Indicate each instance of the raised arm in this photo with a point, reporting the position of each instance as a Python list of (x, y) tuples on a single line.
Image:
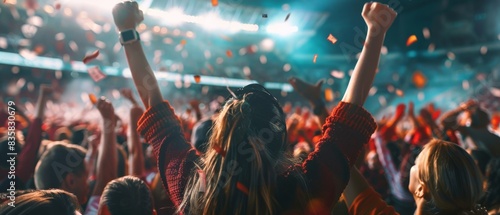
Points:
[(136, 156), (378, 18), (127, 16), (349, 126), (107, 161), (312, 93), (27, 156)]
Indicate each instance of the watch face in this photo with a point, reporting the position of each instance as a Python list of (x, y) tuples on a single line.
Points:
[(128, 36)]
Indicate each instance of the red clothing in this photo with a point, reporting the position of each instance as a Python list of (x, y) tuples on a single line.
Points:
[(369, 202), (26, 160), (326, 170)]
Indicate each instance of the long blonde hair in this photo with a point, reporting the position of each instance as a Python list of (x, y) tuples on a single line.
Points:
[(246, 154), (451, 177)]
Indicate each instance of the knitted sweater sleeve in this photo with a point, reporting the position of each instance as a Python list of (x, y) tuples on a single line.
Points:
[(345, 132), (175, 158)]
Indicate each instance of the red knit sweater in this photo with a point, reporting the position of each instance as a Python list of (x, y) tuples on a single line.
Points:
[(326, 170)]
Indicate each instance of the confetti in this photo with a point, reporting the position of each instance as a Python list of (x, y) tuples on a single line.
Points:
[(426, 33), (337, 74), (229, 53), (412, 39), (215, 3), (242, 188), (264, 15), (495, 92), (373, 91), (91, 57), (197, 79), (382, 100), (287, 67), (96, 74), (465, 84), (315, 58), (92, 98), (400, 93), (329, 95), (332, 39), (287, 17), (183, 42), (419, 79), (484, 50)]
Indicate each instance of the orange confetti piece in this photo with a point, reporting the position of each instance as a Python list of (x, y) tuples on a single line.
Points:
[(229, 53), (332, 39), (197, 79), (215, 3), (315, 58), (92, 98), (412, 39), (183, 42), (418, 79), (400, 93), (90, 57), (242, 188), (329, 96)]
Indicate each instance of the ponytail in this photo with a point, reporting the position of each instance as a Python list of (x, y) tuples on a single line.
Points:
[(238, 173)]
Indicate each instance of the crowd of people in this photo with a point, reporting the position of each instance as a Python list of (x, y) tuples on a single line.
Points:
[(252, 155)]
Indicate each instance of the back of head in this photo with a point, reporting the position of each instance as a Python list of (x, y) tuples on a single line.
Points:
[(491, 199), (56, 162), (43, 202), (127, 195), (479, 119), (200, 135), (244, 156), (451, 177)]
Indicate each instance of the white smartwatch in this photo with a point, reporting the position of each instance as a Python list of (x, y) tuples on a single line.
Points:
[(129, 36)]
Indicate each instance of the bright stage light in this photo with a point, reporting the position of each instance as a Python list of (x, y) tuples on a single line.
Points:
[(282, 29)]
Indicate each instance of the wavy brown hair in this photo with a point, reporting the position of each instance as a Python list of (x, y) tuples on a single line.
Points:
[(245, 156)]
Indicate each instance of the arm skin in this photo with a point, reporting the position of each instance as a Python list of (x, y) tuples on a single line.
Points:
[(107, 160), (143, 76), (357, 184), (364, 72), (136, 156)]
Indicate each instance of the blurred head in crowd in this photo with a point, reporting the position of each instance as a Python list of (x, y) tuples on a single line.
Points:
[(247, 143), (127, 195), (43, 202), (62, 166), (479, 119), (491, 198), (445, 179), (63, 134)]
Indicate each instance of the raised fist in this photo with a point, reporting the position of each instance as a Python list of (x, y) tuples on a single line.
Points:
[(106, 109), (311, 92), (378, 17), (127, 15)]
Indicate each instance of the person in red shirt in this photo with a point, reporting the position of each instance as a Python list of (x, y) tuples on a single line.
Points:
[(245, 169)]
